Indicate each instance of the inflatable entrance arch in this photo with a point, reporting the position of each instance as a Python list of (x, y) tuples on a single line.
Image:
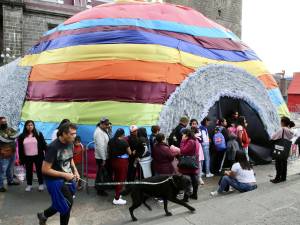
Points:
[(202, 89)]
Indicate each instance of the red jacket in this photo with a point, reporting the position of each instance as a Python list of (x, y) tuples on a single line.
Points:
[(189, 147), (162, 159)]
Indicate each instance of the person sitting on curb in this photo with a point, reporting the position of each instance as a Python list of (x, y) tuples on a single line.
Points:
[(241, 176)]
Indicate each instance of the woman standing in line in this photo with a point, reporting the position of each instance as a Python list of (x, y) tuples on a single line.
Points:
[(242, 134), (281, 164), (32, 146), (189, 146), (119, 152), (194, 127)]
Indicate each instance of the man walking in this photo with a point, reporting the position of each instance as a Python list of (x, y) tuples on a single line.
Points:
[(7, 153), (60, 174)]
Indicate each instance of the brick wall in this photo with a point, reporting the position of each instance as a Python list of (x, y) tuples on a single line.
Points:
[(35, 25), (24, 21), (12, 28)]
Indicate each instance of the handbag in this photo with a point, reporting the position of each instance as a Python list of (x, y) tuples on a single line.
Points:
[(281, 148), (7, 150), (189, 161)]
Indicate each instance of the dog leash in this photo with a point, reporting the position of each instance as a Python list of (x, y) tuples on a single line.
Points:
[(125, 183)]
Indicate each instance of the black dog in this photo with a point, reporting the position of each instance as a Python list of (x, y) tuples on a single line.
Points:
[(167, 191)]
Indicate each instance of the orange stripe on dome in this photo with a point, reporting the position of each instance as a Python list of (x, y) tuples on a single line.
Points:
[(171, 73), (268, 81)]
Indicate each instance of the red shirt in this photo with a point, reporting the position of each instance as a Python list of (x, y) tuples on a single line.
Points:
[(77, 154)]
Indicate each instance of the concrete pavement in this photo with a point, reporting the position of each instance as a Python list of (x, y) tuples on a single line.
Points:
[(270, 204)]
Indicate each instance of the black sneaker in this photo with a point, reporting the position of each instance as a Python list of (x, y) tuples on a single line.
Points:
[(42, 219), (2, 189), (275, 181), (194, 196)]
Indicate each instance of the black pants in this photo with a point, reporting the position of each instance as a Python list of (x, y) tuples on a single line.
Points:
[(100, 167), (131, 174), (194, 179), (64, 219), (281, 169), (217, 161), (38, 161)]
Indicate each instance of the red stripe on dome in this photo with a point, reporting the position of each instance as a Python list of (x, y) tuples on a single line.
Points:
[(154, 11), (99, 90)]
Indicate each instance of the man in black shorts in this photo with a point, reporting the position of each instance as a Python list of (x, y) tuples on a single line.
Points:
[(60, 175)]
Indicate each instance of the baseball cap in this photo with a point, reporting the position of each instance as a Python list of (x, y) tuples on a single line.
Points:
[(133, 128), (104, 120)]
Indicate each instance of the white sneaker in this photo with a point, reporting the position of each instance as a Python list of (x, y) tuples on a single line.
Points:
[(214, 193), (231, 189), (209, 175), (201, 181), (41, 187), (28, 188), (119, 202)]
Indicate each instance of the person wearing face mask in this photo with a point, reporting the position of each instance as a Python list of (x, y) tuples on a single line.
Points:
[(7, 153)]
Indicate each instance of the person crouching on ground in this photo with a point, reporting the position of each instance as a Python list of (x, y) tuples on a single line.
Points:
[(119, 152), (241, 176), (60, 174)]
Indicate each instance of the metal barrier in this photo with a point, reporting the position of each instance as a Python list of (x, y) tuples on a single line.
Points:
[(86, 162)]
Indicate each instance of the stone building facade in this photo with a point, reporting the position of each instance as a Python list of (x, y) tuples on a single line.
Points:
[(23, 22), (225, 12)]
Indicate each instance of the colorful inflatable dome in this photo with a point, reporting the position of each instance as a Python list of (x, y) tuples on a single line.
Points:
[(142, 63)]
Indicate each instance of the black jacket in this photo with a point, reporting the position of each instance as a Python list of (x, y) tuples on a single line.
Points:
[(42, 146), (176, 136)]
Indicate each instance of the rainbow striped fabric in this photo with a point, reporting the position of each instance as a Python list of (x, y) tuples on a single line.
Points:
[(123, 60)]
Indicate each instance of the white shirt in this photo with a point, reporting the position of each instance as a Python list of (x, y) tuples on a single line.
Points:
[(205, 136), (243, 176), (101, 143), (54, 135)]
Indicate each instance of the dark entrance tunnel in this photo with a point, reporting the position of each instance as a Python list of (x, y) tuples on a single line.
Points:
[(260, 148)]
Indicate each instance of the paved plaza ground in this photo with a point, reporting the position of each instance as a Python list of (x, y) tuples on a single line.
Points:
[(270, 205)]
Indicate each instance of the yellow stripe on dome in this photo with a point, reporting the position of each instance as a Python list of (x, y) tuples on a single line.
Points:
[(283, 110), (152, 53), (120, 113)]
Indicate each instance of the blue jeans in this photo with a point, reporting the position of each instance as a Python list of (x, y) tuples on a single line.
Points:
[(205, 148), (10, 169), (227, 181), (3, 167)]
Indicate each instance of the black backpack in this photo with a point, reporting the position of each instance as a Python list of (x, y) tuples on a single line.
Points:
[(172, 140)]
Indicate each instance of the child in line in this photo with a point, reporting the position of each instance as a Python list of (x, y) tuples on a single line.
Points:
[(77, 157)]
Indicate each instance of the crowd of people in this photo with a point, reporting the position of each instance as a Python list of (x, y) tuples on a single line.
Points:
[(192, 149)]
